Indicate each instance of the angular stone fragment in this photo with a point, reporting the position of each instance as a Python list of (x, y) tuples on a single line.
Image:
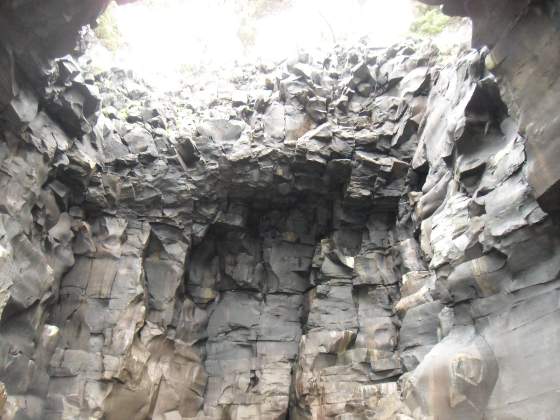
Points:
[(375, 268), (221, 130)]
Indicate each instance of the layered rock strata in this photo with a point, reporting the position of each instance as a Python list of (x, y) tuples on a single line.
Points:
[(523, 39)]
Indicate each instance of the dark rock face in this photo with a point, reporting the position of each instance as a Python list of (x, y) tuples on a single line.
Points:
[(523, 38), (346, 238)]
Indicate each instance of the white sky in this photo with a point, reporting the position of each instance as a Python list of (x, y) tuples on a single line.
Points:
[(163, 37)]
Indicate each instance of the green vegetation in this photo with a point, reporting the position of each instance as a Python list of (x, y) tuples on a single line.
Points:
[(261, 8), (253, 10), (429, 21), (107, 30), (247, 32)]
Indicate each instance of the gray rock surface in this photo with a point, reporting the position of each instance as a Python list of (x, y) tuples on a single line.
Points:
[(342, 237), (514, 31)]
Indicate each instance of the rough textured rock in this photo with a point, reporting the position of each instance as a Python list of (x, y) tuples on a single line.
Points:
[(342, 237), (523, 38)]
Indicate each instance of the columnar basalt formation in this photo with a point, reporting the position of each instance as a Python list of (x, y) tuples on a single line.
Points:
[(342, 237)]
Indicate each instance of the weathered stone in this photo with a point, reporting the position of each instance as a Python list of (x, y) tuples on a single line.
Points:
[(284, 248)]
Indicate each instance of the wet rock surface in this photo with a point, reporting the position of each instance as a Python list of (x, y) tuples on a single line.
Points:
[(342, 237)]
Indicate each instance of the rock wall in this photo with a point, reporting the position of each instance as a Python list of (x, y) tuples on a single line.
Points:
[(342, 237), (523, 39)]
